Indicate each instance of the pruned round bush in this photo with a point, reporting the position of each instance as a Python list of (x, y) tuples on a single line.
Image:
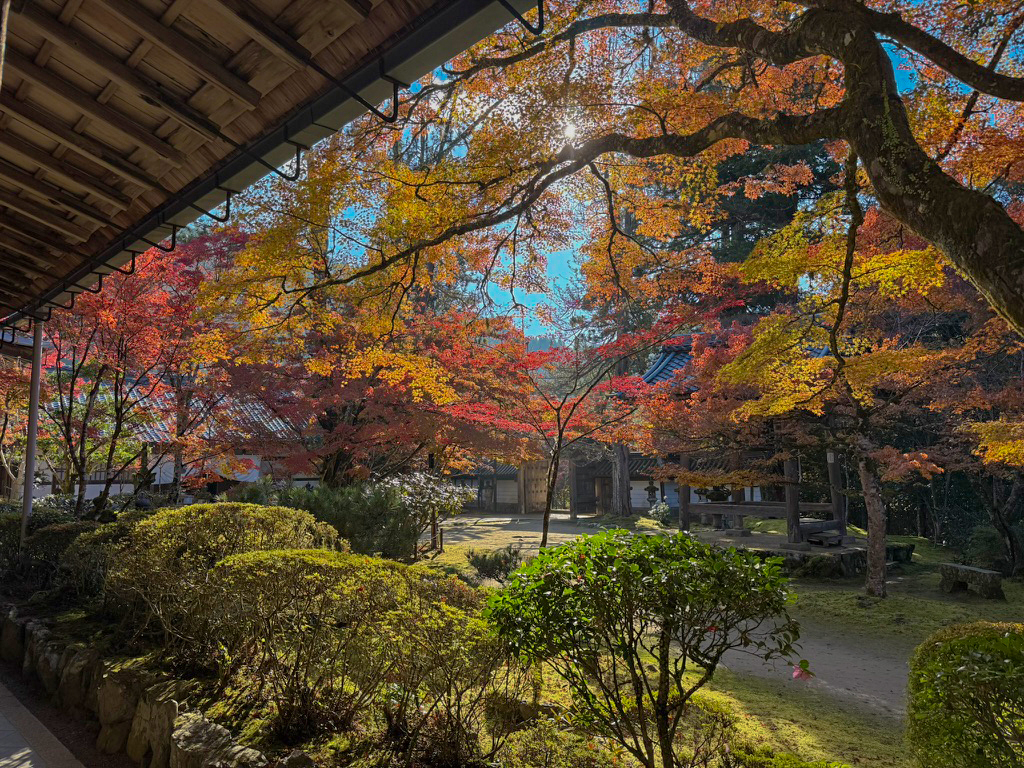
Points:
[(966, 707), (307, 622), (453, 681), (162, 568), (10, 528)]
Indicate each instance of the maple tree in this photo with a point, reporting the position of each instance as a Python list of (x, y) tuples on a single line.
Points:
[(14, 389), (572, 392), (645, 137), (348, 404), (121, 366), (616, 99)]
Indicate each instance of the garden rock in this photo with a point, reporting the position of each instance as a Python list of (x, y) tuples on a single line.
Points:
[(296, 759), (117, 697), (36, 636), (48, 665), (149, 740), (12, 638), (198, 743), (75, 691)]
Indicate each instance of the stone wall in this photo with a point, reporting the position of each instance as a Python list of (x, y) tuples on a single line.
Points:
[(138, 713)]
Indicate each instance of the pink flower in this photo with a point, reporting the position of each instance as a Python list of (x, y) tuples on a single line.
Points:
[(799, 673)]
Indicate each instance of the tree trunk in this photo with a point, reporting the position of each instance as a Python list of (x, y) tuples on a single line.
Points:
[(621, 504), (1000, 512), (18, 487), (876, 527), (684, 496), (179, 471), (549, 495)]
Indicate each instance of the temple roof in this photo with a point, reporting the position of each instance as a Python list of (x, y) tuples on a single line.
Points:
[(673, 357)]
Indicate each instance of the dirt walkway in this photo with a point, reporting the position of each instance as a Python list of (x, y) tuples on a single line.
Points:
[(861, 669)]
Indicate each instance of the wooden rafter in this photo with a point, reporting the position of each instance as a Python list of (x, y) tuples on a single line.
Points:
[(119, 115), (96, 151), (13, 244), (124, 75), (52, 194), (64, 170), (29, 230), (89, 105), (360, 8), (184, 50), (44, 215), (265, 31)]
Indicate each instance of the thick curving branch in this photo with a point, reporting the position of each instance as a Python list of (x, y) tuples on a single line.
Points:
[(576, 28), (969, 226), (781, 129)]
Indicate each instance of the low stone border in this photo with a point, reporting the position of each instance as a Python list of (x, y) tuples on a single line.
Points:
[(138, 714)]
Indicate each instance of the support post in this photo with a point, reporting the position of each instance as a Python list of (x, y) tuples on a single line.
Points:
[(33, 432), (835, 484), (792, 472), (574, 491), (5, 16), (684, 496)]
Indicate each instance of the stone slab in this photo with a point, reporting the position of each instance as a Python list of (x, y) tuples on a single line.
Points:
[(25, 742)]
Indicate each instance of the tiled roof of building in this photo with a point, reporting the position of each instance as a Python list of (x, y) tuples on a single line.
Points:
[(491, 469), (673, 357)]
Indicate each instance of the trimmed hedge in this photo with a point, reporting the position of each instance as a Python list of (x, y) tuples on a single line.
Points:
[(967, 697), (160, 571)]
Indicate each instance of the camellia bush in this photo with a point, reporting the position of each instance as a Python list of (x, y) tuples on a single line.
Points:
[(623, 619), (966, 690)]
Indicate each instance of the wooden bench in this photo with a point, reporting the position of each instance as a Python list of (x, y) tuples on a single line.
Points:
[(957, 578)]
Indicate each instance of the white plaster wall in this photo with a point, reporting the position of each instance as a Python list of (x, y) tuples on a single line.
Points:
[(508, 492)]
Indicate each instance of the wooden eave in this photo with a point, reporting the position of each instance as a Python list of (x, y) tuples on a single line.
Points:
[(120, 118)]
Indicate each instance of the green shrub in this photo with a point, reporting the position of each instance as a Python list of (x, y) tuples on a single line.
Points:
[(381, 517), (985, 548), (82, 572), (10, 528), (10, 537), (497, 564), (46, 547), (55, 507), (307, 624), (453, 681), (614, 614), (371, 518), (966, 697), (764, 757), (160, 571)]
